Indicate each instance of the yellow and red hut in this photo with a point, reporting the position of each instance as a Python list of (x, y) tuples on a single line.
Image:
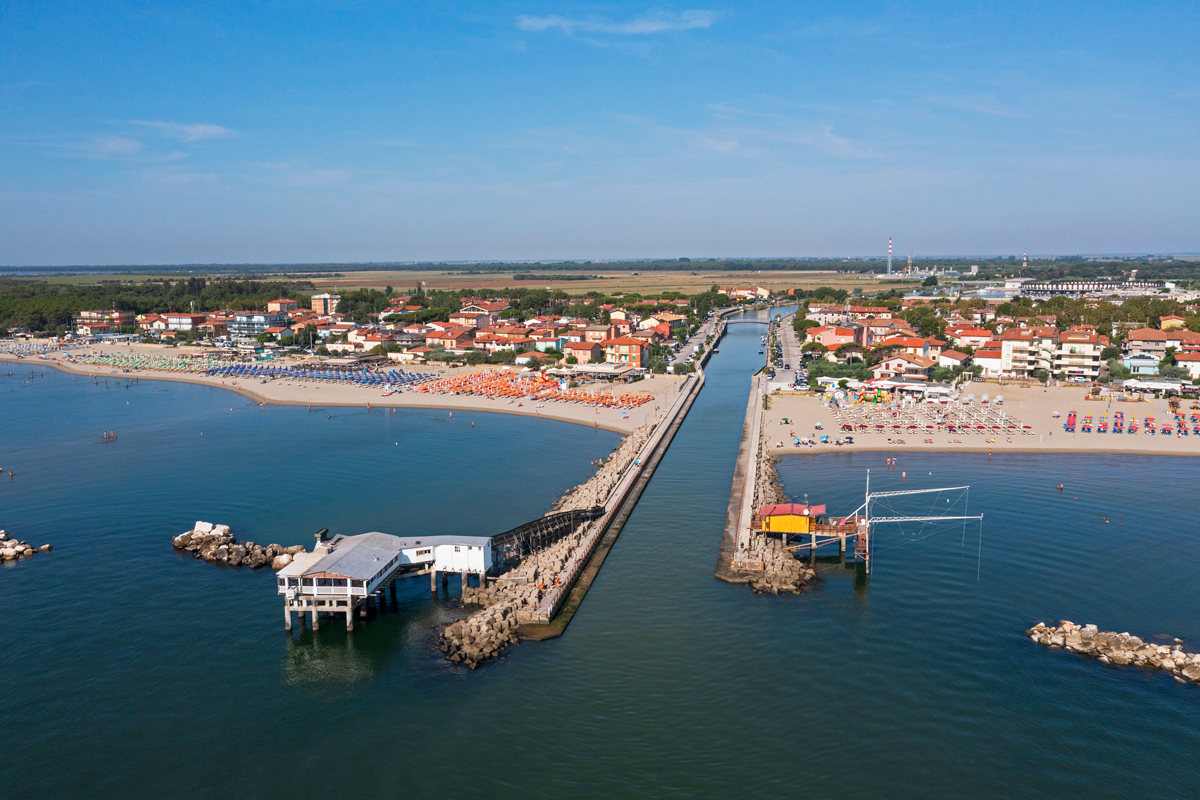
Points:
[(788, 517)]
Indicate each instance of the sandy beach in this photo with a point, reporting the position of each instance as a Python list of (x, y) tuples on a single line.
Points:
[(1033, 406), (323, 395)]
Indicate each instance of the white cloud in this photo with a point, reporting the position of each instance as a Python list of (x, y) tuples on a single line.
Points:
[(114, 146), (684, 21), (186, 131)]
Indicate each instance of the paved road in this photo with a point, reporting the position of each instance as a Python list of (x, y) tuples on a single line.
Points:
[(791, 350)]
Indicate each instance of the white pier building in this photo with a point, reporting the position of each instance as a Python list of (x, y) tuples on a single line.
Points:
[(342, 573)]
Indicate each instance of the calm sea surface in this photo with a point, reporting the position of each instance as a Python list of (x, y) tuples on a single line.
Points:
[(130, 671)]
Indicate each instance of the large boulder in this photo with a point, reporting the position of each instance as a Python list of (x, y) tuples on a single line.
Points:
[(204, 527), (280, 561)]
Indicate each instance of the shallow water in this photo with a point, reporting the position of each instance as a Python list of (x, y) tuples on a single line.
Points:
[(142, 672)]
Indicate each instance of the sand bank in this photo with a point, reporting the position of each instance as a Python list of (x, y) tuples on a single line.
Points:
[(1032, 406)]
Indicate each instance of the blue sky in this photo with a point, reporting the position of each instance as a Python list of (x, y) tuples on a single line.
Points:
[(355, 131)]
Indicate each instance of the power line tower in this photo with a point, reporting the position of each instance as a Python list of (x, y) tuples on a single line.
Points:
[(889, 255)]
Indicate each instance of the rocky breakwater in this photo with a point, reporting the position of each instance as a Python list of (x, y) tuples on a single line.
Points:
[(781, 571), (11, 549), (767, 487), (595, 490), (215, 543), (488, 632), (1119, 648)]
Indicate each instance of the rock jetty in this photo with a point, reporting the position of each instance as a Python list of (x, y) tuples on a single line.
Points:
[(781, 571), (11, 549), (215, 543), (488, 632), (596, 489), (1119, 648)]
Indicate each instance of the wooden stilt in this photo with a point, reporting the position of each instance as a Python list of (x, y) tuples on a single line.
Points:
[(349, 619), (433, 581), (287, 618)]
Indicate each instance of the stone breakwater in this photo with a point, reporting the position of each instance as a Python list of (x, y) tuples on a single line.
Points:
[(781, 571), (485, 634), (215, 543), (1119, 648), (11, 549), (595, 490)]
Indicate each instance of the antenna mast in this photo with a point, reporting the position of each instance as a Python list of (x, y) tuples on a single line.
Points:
[(889, 255)]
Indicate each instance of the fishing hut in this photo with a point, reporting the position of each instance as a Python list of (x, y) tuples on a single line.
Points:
[(815, 528)]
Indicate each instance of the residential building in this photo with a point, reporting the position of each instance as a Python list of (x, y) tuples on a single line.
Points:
[(455, 339), (1028, 349), (990, 359), (584, 352), (1078, 354), (493, 307), (1171, 322), (905, 365), (1190, 362), (472, 319), (953, 358), (113, 319), (832, 336), (599, 333), (626, 351), (1149, 341), (1141, 363), (325, 303), (283, 304), (249, 324), (913, 345), (185, 322), (974, 338)]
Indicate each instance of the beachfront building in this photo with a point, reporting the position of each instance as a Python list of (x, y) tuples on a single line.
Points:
[(1078, 354), (104, 321), (625, 351), (325, 303), (185, 322), (1148, 341), (1190, 362), (991, 360), (1025, 350), (250, 324), (584, 352), (1141, 363), (905, 365), (283, 304)]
